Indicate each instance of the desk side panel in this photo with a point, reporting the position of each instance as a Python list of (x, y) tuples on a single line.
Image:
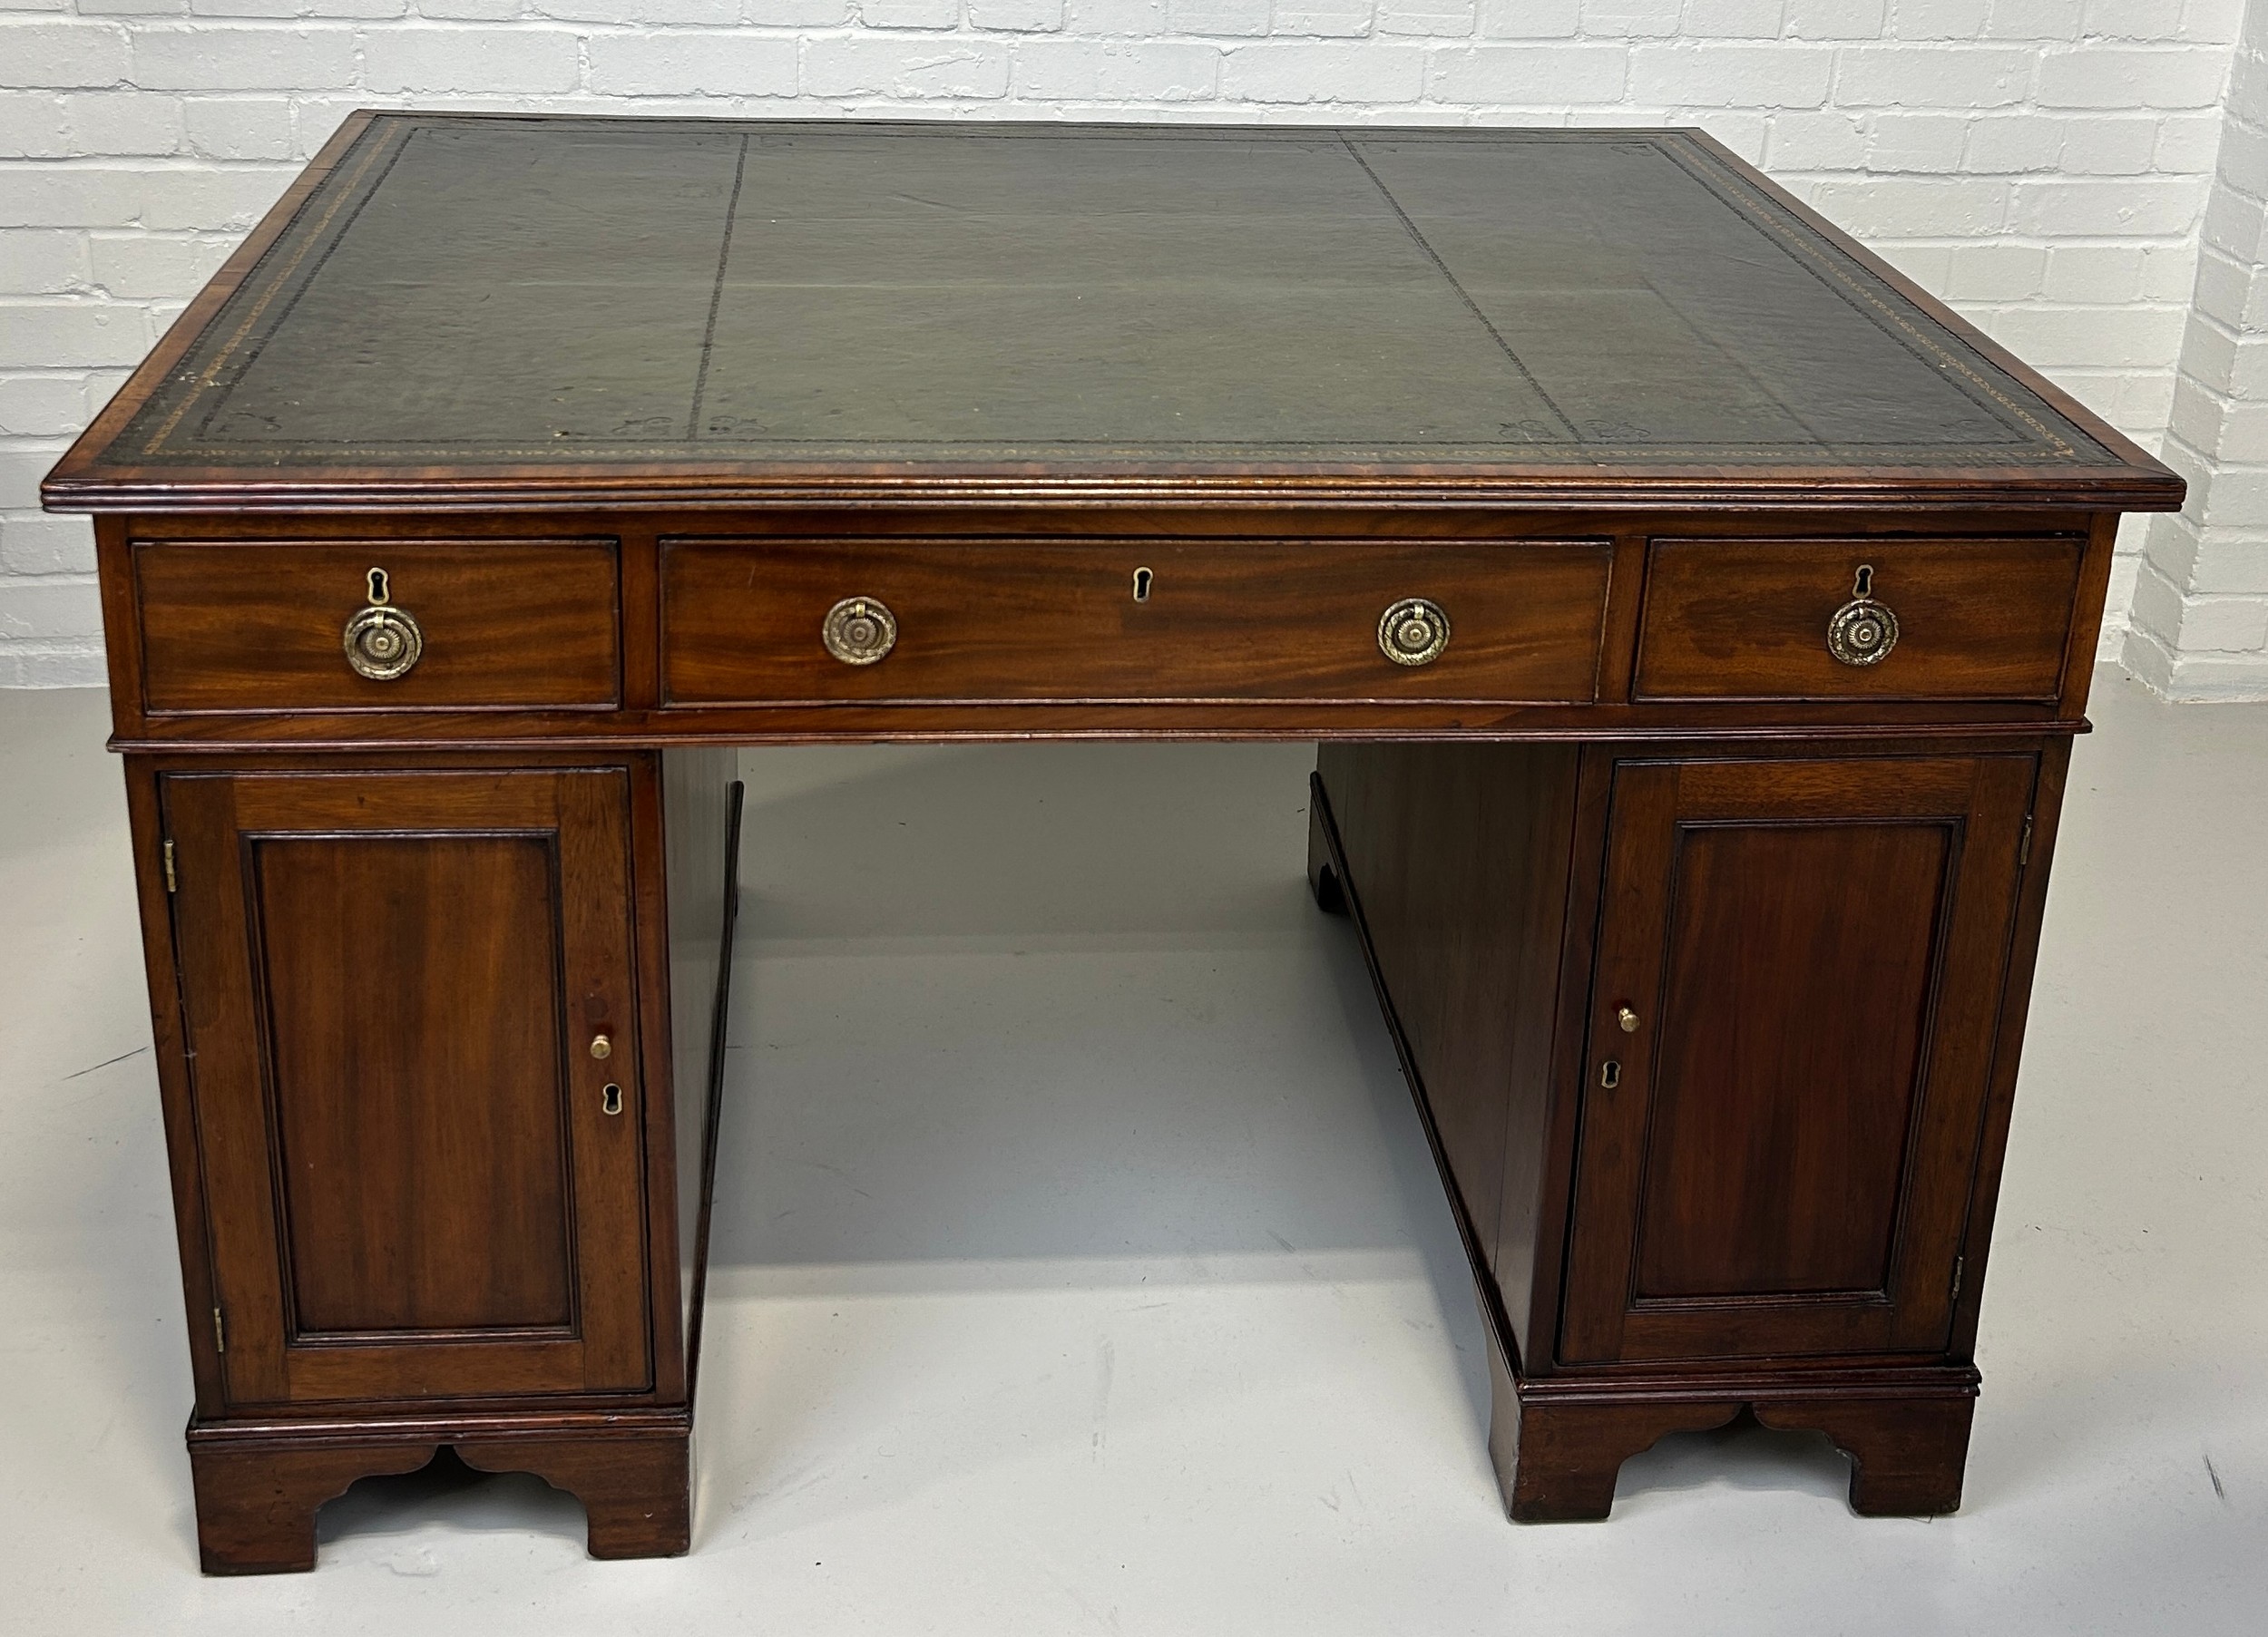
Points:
[(1458, 856), (697, 823)]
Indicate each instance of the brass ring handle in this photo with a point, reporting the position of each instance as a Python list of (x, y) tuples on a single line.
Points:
[(858, 630), (382, 641), (1863, 631), (1414, 631)]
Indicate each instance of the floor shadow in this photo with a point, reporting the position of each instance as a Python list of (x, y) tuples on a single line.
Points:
[(1425, 1196), (1740, 1455), (447, 1492)]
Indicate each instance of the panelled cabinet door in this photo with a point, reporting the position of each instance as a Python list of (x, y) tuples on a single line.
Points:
[(1798, 983), (393, 982)]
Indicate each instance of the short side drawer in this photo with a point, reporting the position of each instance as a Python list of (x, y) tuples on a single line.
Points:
[(243, 626), (1748, 618), (1061, 621)]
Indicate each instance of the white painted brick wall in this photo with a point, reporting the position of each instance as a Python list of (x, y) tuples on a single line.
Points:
[(2200, 614), (2043, 165)]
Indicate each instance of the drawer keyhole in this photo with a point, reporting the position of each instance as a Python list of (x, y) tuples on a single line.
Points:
[(1143, 577), (1864, 585)]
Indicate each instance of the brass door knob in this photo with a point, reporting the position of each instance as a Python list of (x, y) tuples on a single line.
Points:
[(1862, 632), (382, 641), (858, 630), (602, 1047), (1414, 631), (1627, 1018)]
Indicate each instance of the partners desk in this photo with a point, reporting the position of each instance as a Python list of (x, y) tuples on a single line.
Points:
[(1694, 617)]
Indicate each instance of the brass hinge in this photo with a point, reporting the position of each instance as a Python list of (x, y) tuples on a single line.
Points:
[(171, 884), (220, 1332), (2024, 847), (1960, 1265)]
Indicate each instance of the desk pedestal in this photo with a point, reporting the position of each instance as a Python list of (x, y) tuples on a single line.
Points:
[(423, 1017), (1713, 1043), (1715, 1046)]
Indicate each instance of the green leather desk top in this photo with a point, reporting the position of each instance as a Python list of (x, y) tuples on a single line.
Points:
[(564, 302)]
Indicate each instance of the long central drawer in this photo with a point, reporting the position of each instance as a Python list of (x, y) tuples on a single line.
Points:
[(780, 621)]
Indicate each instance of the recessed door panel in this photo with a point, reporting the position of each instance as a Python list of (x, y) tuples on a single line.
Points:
[(404, 1116), (1788, 1065)]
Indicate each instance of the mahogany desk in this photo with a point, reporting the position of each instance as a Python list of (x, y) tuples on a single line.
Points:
[(1695, 617)]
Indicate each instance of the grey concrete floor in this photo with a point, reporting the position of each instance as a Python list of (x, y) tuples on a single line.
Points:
[(1082, 1268)]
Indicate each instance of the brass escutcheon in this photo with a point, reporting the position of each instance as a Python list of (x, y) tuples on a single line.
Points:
[(858, 630), (1414, 631), (382, 641), (1863, 631)]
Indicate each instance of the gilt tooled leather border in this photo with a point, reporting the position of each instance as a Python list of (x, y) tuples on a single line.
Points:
[(171, 428)]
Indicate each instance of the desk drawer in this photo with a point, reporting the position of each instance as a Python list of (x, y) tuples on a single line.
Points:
[(234, 626), (1128, 620), (1749, 619)]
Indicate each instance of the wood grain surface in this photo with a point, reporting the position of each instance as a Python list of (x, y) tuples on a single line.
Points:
[(239, 626), (1059, 621), (1814, 952), (391, 982), (1747, 619)]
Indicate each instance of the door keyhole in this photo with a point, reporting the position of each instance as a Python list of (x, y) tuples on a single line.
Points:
[(611, 1099), (1143, 577)]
